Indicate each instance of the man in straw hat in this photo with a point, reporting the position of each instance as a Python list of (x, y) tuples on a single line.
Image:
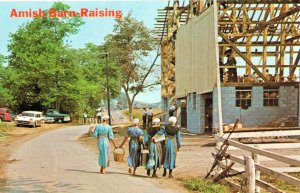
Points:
[(103, 132)]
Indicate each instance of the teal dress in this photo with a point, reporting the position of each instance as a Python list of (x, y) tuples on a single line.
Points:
[(103, 133), (134, 146), (155, 150), (172, 143)]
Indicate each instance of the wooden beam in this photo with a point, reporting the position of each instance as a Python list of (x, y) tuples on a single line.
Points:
[(268, 187), (243, 56), (261, 26), (275, 174), (295, 64), (264, 134), (259, 1)]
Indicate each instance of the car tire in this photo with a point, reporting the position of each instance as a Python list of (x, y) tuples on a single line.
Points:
[(18, 125)]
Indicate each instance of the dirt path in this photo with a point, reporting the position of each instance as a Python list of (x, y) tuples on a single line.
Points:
[(56, 162)]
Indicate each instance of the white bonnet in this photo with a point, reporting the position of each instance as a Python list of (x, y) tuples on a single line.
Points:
[(105, 117), (136, 121), (156, 121), (172, 120)]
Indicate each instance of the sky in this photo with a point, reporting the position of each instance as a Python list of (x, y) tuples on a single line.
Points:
[(93, 31)]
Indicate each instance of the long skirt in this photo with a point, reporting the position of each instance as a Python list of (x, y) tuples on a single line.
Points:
[(155, 156), (134, 153), (170, 152), (103, 147)]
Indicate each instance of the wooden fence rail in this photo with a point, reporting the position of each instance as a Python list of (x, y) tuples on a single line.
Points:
[(253, 167)]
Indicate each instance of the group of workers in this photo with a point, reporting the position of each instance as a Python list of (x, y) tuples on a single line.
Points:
[(162, 141), (147, 117)]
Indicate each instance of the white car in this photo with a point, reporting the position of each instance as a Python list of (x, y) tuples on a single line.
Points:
[(31, 118)]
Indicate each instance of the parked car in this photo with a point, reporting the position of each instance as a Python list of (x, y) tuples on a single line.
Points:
[(5, 114), (53, 116), (29, 118)]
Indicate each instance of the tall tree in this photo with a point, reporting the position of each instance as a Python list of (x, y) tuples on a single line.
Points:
[(5, 96), (129, 44), (40, 71)]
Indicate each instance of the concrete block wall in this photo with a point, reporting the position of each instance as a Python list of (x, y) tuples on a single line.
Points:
[(195, 113), (257, 114)]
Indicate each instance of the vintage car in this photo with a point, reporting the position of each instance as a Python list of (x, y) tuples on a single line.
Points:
[(54, 116), (30, 118), (5, 114)]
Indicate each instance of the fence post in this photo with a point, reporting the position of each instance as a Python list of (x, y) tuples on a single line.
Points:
[(250, 174), (256, 158)]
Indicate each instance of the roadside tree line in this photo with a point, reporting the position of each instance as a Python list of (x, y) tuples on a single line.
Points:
[(42, 71)]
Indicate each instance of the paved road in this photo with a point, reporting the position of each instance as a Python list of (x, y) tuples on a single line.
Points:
[(57, 162)]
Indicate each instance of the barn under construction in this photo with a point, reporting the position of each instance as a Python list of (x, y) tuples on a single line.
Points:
[(243, 53)]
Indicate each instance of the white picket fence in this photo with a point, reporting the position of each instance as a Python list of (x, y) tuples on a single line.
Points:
[(252, 164)]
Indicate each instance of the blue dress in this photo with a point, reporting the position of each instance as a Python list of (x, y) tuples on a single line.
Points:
[(103, 133), (172, 143), (155, 149), (134, 146)]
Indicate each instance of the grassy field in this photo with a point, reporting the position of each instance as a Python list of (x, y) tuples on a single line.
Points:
[(137, 113)]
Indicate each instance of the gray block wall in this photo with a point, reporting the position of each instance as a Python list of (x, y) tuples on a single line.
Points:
[(257, 114), (195, 113)]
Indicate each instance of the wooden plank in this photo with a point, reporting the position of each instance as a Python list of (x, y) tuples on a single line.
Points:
[(263, 134), (232, 45), (273, 146), (275, 174), (264, 153), (268, 187), (286, 169)]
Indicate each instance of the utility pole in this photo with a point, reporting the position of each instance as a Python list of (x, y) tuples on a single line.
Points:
[(107, 88)]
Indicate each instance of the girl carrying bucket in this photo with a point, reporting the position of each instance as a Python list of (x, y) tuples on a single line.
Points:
[(103, 132)]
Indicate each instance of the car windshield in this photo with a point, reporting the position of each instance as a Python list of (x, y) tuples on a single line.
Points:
[(28, 114)]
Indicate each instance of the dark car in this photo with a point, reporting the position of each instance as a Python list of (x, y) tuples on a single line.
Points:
[(53, 116), (5, 114)]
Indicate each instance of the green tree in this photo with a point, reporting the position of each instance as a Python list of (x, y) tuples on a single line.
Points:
[(40, 70), (91, 61), (5, 96), (128, 45)]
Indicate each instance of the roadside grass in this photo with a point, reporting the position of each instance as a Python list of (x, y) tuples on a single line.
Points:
[(5, 128), (282, 185), (204, 186)]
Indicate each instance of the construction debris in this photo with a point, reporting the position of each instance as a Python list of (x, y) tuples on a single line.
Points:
[(290, 121)]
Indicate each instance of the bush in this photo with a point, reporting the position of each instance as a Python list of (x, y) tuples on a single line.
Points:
[(205, 186)]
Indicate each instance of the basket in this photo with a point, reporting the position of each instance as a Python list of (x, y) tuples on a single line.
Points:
[(119, 157)]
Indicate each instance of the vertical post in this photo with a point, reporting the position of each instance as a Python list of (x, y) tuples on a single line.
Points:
[(107, 89), (250, 174), (256, 158), (215, 6)]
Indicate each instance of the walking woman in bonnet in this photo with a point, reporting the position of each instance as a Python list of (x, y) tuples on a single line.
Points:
[(171, 146), (135, 143), (103, 132)]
